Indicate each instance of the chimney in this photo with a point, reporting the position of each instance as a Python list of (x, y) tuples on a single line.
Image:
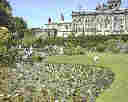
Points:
[(62, 17), (98, 6), (49, 20)]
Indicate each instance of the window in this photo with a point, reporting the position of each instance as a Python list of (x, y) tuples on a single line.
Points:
[(66, 26), (115, 5)]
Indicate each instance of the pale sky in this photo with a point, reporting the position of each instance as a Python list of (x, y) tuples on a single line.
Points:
[(37, 12)]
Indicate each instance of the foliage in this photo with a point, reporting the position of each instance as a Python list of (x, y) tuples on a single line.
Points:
[(39, 43), (111, 45), (73, 79), (29, 39), (8, 55), (71, 40), (116, 62), (64, 80), (17, 25), (100, 47), (74, 51), (59, 41), (116, 50), (68, 51), (5, 12), (36, 58)]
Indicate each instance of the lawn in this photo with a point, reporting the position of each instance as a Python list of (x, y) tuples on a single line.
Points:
[(118, 64)]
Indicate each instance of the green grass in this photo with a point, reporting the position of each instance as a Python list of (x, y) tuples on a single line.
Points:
[(118, 64)]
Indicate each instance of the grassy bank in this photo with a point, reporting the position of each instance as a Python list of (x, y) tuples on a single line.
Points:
[(117, 62)]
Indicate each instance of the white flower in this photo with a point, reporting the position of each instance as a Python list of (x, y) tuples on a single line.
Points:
[(96, 58), (19, 46), (16, 94), (56, 100), (9, 95), (1, 95), (89, 91)]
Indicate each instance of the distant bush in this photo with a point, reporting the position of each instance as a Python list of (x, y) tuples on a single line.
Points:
[(74, 51), (115, 50), (67, 51), (112, 46), (82, 51), (101, 42), (37, 58), (101, 47)]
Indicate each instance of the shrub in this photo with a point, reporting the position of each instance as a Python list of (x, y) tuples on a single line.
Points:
[(115, 50), (74, 51), (37, 58), (101, 47), (67, 51), (80, 50)]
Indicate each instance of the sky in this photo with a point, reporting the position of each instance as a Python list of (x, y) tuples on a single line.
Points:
[(37, 12)]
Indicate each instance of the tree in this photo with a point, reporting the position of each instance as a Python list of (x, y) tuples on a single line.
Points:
[(17, 25), (14, 24), (5, 12), (7, 55)]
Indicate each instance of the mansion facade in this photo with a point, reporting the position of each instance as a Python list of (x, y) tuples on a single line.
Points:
[(105, 19), (100, 22)]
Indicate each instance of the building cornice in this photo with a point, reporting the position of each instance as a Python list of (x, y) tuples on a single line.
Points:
[(99, 12)]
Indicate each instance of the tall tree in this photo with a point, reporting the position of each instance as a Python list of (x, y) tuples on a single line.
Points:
[(17, 25), (5, 12)]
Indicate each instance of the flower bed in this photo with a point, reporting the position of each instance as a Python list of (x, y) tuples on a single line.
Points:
[(61, 80)]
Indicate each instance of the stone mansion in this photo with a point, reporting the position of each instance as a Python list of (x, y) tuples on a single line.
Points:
[(106, 19)]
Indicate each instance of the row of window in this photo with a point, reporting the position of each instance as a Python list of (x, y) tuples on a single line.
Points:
[(106, 19), (114, 26)]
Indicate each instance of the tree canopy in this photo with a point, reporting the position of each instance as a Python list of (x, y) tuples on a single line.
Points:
[(17, 25), (8, 24), (5, 12)]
